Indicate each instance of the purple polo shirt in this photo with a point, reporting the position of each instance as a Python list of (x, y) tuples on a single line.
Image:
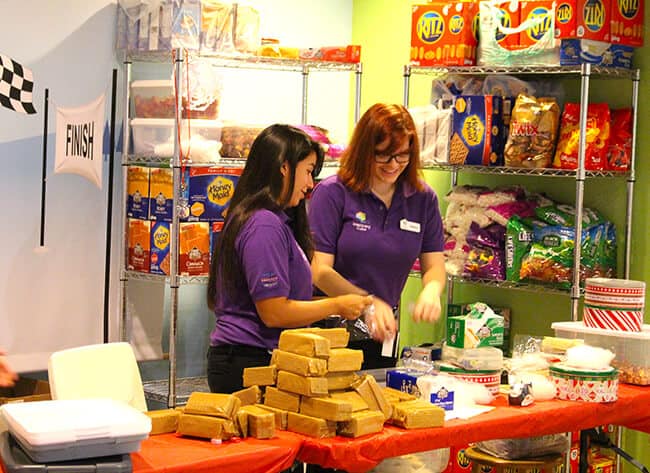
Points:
[(375, 247), (274, 266)]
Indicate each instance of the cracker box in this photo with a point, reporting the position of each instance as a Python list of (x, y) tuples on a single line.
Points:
[(481, 327), (161, 194), (565, 19), (137, 189), (454, 310), (210, 191), (627, 22), (441, 34), (404, 380), (509, 16), (139, 235), (476, 133), (194, 248), (540, 15), (160, 240), (593, 18)]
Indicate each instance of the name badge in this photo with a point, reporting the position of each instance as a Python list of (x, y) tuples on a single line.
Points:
[(409, 226)]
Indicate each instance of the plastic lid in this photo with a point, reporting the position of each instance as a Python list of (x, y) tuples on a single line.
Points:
[(454, 369), (566, 369), (151, 83), (580, 327)]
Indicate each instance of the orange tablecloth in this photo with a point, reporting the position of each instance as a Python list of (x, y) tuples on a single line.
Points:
[(631, 410), (169, 453)]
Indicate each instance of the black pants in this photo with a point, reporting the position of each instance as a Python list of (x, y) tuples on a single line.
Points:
[(226, 365), (372, 358)]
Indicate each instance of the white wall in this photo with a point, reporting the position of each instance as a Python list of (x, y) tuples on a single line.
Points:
[(54, 299)]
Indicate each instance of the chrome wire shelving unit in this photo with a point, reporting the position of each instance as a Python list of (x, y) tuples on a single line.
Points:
[(177, 61), (585, 73)]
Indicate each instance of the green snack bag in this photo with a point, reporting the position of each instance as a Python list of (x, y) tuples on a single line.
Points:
[(519, 237)]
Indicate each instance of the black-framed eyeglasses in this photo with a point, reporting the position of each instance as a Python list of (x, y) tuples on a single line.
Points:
[(399, 158)]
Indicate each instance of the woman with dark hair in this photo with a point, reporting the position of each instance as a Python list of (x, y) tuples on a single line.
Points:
[(371, 221), (260, 278)]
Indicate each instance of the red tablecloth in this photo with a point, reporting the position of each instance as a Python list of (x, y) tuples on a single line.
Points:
[(173, 454), (632, 410), (169, 453)]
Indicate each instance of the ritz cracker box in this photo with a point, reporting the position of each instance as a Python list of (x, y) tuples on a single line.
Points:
[(210, 191), (442, 34)]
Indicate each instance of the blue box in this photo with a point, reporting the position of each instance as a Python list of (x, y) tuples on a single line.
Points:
[(160, 239), (574, 52), (403, 380), (210, 191), (477, 130)]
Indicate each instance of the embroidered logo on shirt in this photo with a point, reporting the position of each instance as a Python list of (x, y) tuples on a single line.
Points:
[(360, 222), (269, 280)]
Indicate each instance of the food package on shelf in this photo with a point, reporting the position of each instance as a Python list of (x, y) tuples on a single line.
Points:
[(139, 241), (521, 448), (229, 27), (478, 328), (597, 137), (533, 129), (433, 128), (350, 53), (441, 34), (574, 52), (476, 130), (619, 151), (237, 139)]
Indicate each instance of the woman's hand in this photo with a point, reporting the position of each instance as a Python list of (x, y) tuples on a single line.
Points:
[(427, 307), (381, 321), (7, 376), (351, 306)]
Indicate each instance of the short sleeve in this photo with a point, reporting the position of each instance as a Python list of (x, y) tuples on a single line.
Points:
[(325, 211), (264, 250), (433, 239)]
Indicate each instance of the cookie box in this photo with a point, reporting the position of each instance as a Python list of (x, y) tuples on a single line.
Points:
[(576, 384), (632, 348), (62, 430)]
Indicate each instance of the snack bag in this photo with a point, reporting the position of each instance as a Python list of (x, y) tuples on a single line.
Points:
[(533, 130), (566, 155), (619, 151)]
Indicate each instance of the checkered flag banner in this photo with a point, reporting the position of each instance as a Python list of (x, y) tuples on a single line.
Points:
[(16, 86)]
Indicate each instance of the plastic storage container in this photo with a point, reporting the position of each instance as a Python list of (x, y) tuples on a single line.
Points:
[(488, 378), (632, 348), (575, 384), (155, 99), (15, 460), (62, 430), (482, 358), (154, 136)]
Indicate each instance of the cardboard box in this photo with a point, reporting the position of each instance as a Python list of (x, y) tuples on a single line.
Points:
[(137, 190), (509, 14), (627, 22), (161, 194), (479, 328), (139, 253), (160, 240), (210, 191), (26, 390), (194, 248), (593, 18), (505, 312), (477, 130), (442, 34), (574, 52)]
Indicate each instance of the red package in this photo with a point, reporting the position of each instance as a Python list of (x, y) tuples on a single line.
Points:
[(598, 133), (619, 151)]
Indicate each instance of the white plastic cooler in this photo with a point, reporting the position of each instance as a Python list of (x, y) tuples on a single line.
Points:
[(62, 430)]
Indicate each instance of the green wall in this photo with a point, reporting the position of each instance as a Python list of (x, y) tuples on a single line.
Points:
[(382, 28)]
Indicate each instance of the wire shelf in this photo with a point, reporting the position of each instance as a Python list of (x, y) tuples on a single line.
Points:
[(507, 170), (528, 287), (160, 278), (246, 61), (584, 69), (159, 161)]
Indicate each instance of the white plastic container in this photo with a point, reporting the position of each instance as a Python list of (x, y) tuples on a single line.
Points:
[(154, 137), (153, 99), (632, 348), (61, 430)]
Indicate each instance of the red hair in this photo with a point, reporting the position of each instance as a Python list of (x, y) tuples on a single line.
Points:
[(380, 123)]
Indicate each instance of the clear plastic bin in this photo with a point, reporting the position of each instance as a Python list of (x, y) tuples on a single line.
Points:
[(155, 99), (154, 136), (632, 348), (482, 358)]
